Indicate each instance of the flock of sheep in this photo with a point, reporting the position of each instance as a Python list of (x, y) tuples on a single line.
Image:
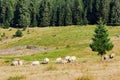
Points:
[(106, 57), (67, 59)]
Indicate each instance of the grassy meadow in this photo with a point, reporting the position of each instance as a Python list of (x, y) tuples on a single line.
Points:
[(70, 40)]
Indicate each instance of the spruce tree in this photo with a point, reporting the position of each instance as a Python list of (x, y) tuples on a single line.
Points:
[(104, 10), (2, 12), (77, 13), (68, 15), (57, 22), (101, 43), (114, 14), (21, 14), (18, 33), (44, 13), (33, 13)]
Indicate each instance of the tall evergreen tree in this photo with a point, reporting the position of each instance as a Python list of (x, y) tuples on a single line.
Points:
[(87, 15), (77, 13), (57, 22), (2, 12), (33, 13), (114, 14), (21, 14), (96, 11), (9, 14), (101, 43), (68, 14), (44, 13), (104, 10)]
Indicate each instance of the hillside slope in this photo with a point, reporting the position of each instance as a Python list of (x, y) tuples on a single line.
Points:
[(66, 40)]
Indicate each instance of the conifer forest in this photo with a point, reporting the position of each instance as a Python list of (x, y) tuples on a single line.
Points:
[(42, 13)]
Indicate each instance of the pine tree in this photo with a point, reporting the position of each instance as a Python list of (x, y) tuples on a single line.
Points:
[(77, 13), (104, 10), (9, 14), (21, 15), (2, 12), (68, 15), (33, 13), (18, 33), (101, 43), (114, 14), (57, 22), (87, 13), (44, 13), (95, 11)]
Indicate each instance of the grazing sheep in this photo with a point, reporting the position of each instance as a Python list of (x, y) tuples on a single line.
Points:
[(67, 57), (70, 58), (14, 63), (17, 62), (35, 63), (64, 61), (20, 62), (45, 61), (111, 56), (105, 57), (73, 58), (59, 60)]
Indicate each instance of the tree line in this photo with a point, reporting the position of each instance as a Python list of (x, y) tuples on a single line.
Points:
[(42, 13)]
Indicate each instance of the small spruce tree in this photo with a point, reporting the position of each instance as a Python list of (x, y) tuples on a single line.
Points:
[(18, 33), (101, 43)]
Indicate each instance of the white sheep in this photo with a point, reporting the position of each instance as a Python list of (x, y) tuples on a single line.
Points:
[(59, 60), (67, 57), (45, 61), (70, 58), (20, 62), (73, 58), (35, 63), (111, 56), (14, 63), (64, 61), (105, 57)]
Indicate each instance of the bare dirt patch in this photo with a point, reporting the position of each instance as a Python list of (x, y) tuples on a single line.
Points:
[(23, 50)]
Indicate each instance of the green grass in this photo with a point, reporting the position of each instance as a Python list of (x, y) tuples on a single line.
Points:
[(63, 36), (16, 78), (72, 40)]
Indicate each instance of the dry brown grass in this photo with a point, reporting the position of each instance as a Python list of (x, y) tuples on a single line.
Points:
[(109, 70), (86, 66)]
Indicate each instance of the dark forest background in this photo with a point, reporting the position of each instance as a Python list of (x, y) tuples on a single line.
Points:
[(41, 13)]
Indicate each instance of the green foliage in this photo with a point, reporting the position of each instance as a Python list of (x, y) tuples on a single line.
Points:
[(84, 78), (77, 13), (42, 13), (33, 13), (16, 78), (18, 33), (3, 35), (101, 43), (114, 14), (21, 14)]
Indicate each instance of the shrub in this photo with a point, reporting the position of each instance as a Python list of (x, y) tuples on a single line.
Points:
[(10, 30), (18, 33), (3, 35), (86, 77), (16, 78)]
